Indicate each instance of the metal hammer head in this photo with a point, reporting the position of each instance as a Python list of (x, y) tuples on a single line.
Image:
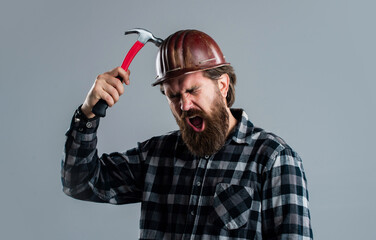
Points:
[(145, 36)]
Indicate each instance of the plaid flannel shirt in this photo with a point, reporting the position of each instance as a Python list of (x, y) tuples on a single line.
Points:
[(253, 188)]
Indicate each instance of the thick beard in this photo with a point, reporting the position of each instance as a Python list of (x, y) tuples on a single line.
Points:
[(212, 139)]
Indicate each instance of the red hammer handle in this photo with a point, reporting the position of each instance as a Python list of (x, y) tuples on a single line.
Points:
[(131, 54), (100, 107)]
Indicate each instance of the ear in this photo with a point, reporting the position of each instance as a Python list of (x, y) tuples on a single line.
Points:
[(223, 84), (161, 88)]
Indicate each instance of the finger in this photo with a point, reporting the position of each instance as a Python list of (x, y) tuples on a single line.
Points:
[(124, 75), (107, 97), (115, 72), (103, 89), (108, 87), (115, 83), (112, 91), (120, 73)]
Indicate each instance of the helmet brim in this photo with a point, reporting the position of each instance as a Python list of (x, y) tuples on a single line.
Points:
[(177, 73)]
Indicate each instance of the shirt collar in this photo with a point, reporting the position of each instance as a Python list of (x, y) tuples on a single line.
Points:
[(243, 131)]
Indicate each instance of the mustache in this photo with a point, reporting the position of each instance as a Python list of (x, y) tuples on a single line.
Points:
[(191, 112)]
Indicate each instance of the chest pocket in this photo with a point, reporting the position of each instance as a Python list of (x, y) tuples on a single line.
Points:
[(232, 205)]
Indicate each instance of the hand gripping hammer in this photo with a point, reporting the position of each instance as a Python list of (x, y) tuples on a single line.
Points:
[(144, 36)]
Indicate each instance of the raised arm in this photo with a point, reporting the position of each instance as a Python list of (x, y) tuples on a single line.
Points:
[(114, 178)]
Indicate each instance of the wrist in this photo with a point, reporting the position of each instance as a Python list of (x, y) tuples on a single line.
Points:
[(82, 128), (85, 109)]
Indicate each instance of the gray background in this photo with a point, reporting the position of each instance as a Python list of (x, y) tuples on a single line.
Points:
[(306, 71)]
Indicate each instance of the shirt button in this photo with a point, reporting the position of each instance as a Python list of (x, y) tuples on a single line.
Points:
[(198, 183), (207, 157), (192, 213), (89, 125), (80, 129)]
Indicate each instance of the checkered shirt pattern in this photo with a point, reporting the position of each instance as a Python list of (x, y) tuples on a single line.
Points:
[(253, 188)]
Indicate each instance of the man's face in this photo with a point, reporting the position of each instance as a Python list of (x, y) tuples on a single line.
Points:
[(200, 111)]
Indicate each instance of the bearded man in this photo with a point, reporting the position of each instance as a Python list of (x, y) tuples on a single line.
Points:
[(218, 177)]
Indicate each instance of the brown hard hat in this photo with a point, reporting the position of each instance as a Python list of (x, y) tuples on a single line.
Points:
[(187, 51)]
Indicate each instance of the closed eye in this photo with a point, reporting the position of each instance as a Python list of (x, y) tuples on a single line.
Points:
[(192, 90), (173, 96)]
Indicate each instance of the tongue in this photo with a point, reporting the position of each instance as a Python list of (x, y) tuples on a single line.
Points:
[(196, 121)]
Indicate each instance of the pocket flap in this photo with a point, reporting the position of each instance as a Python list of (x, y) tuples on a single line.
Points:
[(232, 204)]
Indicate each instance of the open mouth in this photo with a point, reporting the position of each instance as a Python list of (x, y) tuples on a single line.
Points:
[(197, 123)]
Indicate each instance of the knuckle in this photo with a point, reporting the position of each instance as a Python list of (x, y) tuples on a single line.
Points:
[(96, 88), (100, 76), (120, 88), (109, 100), (114, 94)]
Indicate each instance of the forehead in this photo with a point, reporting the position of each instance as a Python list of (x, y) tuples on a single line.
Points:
[(186, 81)]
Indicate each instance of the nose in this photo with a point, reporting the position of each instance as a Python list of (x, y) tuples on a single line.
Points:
[(185, 102)]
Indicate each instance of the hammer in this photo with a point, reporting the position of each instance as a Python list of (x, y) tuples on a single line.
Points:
[(144, 36)]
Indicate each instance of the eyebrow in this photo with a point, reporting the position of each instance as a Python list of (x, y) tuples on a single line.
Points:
[(172, 95), (192, 89)]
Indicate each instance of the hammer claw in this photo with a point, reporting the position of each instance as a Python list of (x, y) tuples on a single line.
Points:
[(145, 36)]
